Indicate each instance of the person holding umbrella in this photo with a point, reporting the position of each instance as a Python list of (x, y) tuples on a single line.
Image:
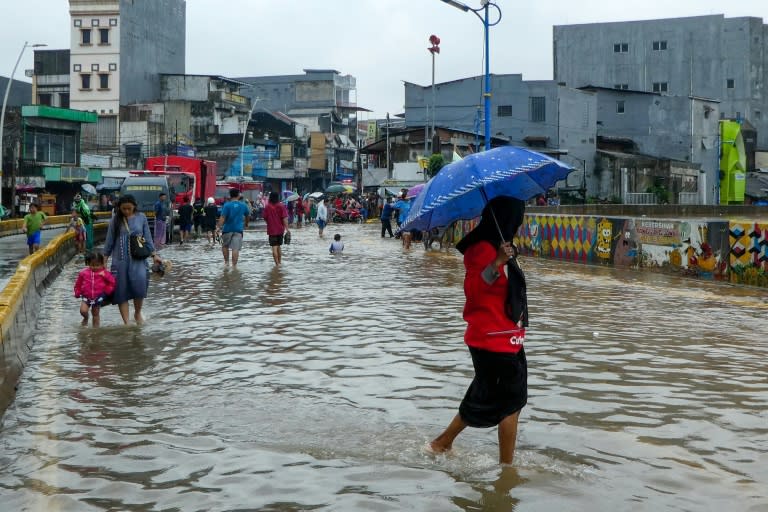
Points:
[(496, 313)]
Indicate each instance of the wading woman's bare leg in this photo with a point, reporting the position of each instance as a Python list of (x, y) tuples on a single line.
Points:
[(137, 304), (508, 438), (444, 442)]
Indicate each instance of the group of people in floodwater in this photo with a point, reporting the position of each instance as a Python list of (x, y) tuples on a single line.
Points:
[(496, 310)]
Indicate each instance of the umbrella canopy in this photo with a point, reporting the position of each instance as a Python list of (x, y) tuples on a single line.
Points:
[(339, 188), (315, 195), (414, 190), (461, 189), (292, 196), (87, 187)]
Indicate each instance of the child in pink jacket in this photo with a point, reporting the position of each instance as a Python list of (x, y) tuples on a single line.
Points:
[(94, 284)]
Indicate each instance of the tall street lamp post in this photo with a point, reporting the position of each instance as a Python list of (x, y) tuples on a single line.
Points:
[(5, 102), (254, 101), (485, 6)]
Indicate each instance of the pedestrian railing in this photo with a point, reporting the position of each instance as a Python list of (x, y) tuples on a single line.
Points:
[(688, 198), (639, 198)]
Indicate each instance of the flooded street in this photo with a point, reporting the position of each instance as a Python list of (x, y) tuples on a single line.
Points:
[(315, 387)]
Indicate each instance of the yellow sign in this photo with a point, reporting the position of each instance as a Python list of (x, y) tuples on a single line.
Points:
[(372, 130)]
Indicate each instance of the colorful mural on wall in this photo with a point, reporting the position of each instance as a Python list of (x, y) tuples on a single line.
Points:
[(718, 250), (748, 243)]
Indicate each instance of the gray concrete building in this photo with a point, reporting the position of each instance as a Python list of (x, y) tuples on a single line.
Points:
[(20, 93), (323, 99), (539, 114), (715, 57), (669, 140)]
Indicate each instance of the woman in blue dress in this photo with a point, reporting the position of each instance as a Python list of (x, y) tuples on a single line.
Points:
[(131, 274)]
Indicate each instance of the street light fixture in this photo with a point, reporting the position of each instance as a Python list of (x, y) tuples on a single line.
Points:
[(2, 113), (485, 6), (254, 101)]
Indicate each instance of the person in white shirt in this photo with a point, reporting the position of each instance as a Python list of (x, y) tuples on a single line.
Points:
[(337, 246), (322, 216)]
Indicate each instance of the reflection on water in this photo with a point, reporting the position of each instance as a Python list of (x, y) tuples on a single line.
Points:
[(315, 386)]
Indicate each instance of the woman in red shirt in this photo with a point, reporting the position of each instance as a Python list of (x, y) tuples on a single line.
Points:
[(496, 313)]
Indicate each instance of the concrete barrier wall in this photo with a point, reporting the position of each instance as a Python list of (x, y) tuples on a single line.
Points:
[(733, 250), (20, 303)]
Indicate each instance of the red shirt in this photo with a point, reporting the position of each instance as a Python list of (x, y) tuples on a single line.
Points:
[(274, 215), (488, 326)]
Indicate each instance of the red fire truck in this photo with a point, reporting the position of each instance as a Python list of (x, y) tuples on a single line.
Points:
[(249, 188), (192, 178)]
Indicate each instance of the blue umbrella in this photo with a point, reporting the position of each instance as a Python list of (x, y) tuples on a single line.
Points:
[(461, 189)]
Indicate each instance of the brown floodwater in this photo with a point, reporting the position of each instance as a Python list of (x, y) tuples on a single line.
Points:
[(315, 387)]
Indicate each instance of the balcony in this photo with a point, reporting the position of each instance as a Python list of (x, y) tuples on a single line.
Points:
[(231, 98)]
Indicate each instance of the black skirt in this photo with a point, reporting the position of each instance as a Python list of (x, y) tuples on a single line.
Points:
[(500, 388)]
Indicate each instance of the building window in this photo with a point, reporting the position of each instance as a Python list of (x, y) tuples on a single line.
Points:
[(621, 48), (85, 36), (44, 99), (620, 107), (112, 66), (621, 87), (537, 111), (659, 46), (94, 67), (504, 110), (758, 115), (660, 87), (78, 23), (112, 22), (64, 99), (77, 68), (95, 22), (85, 82), (103, 36), (103, 81), (730, 83)]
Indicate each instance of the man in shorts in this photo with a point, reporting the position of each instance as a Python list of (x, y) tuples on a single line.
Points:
[(231, 224)]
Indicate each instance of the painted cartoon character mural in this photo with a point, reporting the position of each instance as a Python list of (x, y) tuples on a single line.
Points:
[(604, 239), (534, 232), (626, 252)]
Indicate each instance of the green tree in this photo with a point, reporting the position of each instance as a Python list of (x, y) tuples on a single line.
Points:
[(436, 162)]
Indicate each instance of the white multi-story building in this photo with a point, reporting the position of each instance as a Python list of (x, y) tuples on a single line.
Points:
[(118, 48)]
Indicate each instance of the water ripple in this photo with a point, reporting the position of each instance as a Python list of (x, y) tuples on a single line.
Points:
[(314, 386)]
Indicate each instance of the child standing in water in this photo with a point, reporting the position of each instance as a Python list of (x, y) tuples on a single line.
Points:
[(337, 246), (77, 225), (93, 285)]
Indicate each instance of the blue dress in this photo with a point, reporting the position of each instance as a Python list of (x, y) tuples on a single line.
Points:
[(131, 275)]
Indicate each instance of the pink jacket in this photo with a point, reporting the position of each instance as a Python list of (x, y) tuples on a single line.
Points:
[(91, 285)]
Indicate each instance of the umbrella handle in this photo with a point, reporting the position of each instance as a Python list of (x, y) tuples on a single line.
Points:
[(501, 235)]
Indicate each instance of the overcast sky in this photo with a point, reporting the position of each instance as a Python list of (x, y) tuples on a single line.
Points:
[(380, 42)]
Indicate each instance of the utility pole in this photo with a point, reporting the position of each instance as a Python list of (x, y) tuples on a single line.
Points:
[(435, 48)]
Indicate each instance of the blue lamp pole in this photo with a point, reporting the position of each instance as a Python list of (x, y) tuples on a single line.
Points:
[(485, 6)]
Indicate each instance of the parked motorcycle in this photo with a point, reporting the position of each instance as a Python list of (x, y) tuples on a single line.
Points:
[(352, 215)]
